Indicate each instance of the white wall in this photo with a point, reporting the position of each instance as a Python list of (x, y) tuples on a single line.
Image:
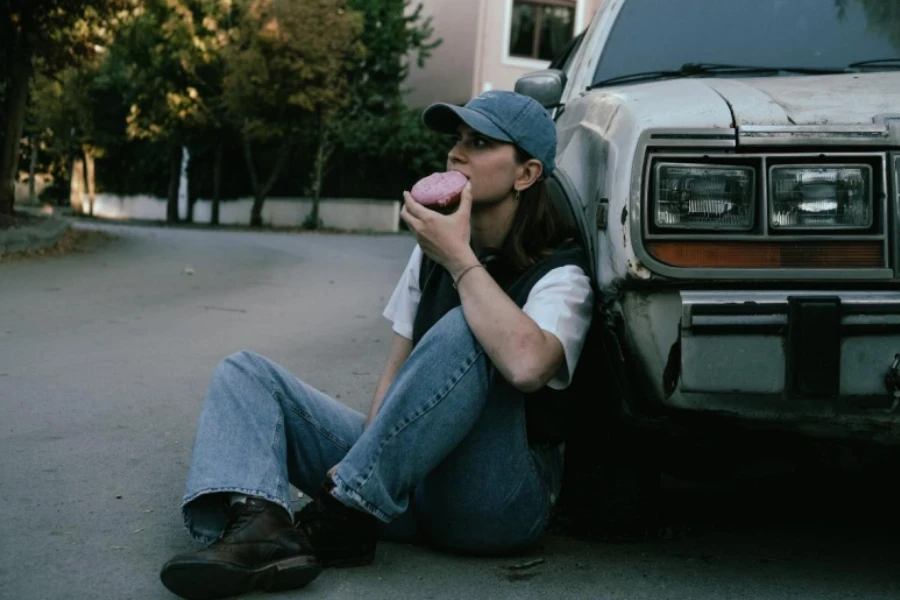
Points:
[(350, 214)]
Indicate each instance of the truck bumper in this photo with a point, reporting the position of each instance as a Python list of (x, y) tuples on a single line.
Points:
[(823, 362)]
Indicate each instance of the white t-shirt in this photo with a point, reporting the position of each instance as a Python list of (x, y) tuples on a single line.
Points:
[(561, 303)]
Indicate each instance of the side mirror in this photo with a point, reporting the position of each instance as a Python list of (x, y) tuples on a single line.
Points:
[(544, 86)]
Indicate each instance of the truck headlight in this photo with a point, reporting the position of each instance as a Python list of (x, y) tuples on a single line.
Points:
[(715, 197), (821, 197)]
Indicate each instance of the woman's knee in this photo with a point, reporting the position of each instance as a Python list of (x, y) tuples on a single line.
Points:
[(451, 333), (244, 361), (243, 376), (242, 365), (455, 320)]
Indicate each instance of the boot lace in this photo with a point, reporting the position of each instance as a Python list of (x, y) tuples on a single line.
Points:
[(239, 515)]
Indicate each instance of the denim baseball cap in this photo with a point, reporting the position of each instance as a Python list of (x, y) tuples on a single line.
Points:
[(504, 116)]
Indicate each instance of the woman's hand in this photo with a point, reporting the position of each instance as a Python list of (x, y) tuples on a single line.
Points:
[(444, 238)]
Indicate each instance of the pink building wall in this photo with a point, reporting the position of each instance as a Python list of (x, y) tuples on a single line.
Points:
[(473, 56)]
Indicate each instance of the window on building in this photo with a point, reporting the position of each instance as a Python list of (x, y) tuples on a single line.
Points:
[(541, 28)]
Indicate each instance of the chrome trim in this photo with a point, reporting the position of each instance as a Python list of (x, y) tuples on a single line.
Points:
[(692, 136), (813, 135), (895, 203), (640, 190), (871, 182), (758, 237), (889, 319), (886, 118), (682, 138), (765, 197), (769, 306), (745, 320)]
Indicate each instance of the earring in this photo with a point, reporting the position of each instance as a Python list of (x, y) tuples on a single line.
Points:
[(518, 193)]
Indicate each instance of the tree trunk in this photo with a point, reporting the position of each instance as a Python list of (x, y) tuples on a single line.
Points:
[(16, 102), (312, 221), (191, 200), (76, 185), (32, 167), (260, 193), (217, 184), (256, 210), (89, 176), (174, 175), (323, 155), (191, 186)]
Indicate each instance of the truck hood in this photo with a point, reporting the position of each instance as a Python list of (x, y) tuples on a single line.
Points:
[(850, 99), (845, 99)]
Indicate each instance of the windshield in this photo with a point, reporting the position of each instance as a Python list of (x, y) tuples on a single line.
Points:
[(663, 35)]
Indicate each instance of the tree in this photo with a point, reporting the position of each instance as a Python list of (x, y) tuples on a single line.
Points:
[(392, 34), (44, 36), (153, 56), (75, 115), (286, 77), (205, 29), (170, 61), (400, 136)]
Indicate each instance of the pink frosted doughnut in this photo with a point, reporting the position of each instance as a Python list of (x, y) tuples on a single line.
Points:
[(439, 190)]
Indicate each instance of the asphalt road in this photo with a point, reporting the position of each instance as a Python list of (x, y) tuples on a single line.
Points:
[(105, 356)]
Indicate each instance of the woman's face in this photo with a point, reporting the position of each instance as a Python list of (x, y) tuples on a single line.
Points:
[(489, 164)]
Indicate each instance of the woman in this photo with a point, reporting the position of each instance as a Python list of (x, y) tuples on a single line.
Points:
[(459, 448)]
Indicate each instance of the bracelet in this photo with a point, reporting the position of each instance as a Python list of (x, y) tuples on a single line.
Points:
[(461, 275)]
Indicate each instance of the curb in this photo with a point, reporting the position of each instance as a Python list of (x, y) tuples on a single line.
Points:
[(33, 237)]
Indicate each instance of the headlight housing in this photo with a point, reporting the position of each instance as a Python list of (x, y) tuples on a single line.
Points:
[(821, 197), (704, 197)]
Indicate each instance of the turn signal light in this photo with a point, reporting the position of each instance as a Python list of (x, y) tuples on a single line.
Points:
[(769, 255)]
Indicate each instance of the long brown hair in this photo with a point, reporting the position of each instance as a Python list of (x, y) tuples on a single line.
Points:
[(537, 227)]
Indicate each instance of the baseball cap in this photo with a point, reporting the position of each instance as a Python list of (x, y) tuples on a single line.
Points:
[(504, 116)]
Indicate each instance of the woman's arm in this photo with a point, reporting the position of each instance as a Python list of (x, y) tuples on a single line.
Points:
[(526, 355), (400, 350)]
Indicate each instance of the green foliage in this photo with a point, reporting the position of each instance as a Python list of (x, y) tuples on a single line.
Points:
[(157, 58), (289, 65), (61, 33), (136, 167), (45, 37), (391, 34), (202, 72), (76, 106), (382, 155)]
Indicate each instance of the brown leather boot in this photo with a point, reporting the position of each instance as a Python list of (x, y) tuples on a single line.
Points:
[(340, 536), (258, 550)]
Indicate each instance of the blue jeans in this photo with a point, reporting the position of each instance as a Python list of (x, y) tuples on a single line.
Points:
[(444, 461)]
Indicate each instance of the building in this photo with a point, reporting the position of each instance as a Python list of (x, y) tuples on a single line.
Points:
[(489, 44)]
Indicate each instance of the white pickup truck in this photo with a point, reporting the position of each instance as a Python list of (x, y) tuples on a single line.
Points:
[(734, 168)]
